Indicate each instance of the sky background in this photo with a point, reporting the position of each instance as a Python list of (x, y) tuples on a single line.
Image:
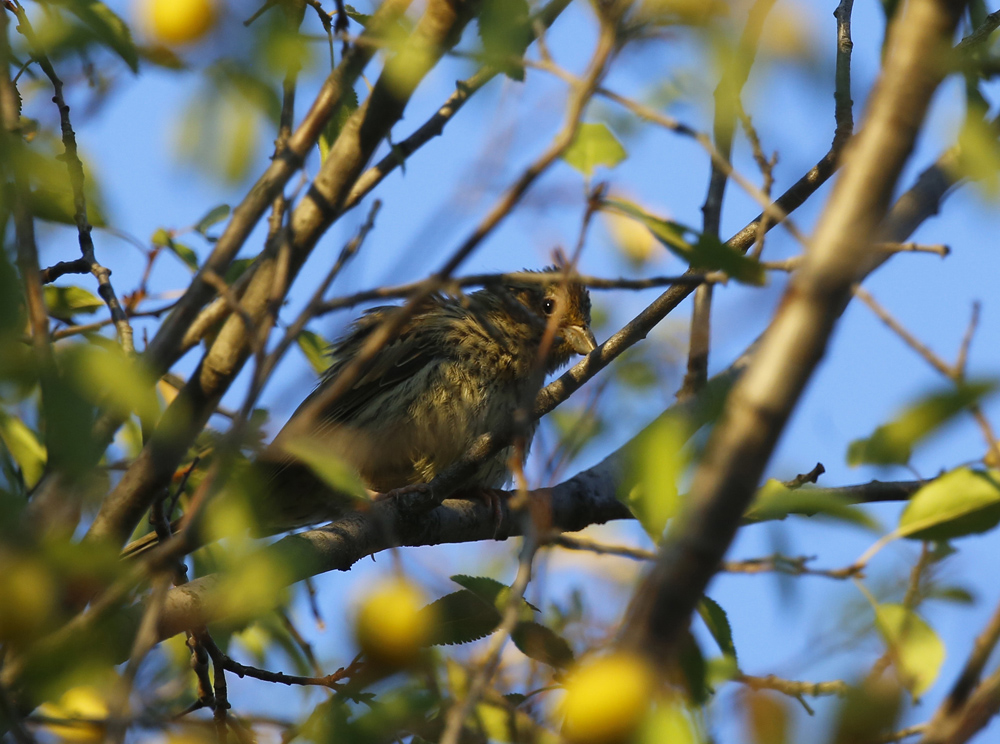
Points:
[(789, 627)]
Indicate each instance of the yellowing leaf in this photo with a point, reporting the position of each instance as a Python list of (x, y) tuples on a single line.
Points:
[(916, 646), (962, 502), (24, 447), (669, 722), (660, 460), (631, 237), (64, 302), (315, 348), (594, 145), (979, 155), (702, 252), (81, 707)]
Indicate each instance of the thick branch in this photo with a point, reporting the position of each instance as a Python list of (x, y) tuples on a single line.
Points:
[(440, 26), (762, 401)]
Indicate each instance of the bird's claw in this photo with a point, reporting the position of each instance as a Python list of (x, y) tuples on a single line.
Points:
[(416, 497)]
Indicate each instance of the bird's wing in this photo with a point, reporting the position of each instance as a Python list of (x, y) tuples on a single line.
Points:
[(401, 360)]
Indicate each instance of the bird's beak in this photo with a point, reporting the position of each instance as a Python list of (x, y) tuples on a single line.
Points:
[(580, 338)]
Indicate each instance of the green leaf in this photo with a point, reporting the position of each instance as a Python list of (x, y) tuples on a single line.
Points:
[(331, 469), (718, 625), (492, 591), (775, 501), (348, 105), (56, 205), (692, 665), (361, 19), (962, 502), (670, 722), (236, 269), (702, 252), (110, 378), (24, 448), (505, 30), (542, 644), (919, 651), (893, 443), (213, 217), (11, 300), (315, 348), (109, 29), (184, 253), (594, 145), (658, 459), (462, 617), (64, 302)]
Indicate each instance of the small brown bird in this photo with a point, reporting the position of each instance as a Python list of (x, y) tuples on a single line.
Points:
[(460, 367)]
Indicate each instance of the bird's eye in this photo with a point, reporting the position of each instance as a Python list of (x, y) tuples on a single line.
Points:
[(548, 305)]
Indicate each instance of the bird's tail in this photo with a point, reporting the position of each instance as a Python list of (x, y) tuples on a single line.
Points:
[(281, 495)]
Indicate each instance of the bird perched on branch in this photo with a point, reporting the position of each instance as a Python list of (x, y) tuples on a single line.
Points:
[(458, 368)]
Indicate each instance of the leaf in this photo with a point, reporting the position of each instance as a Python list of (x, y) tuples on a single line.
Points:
[(213, 217), (491, 590), (24, 448), (56, 205), (361, 19), (962, 502), (775, 501), (109, 29), (505, 30), (184, 253), (111, 378), (659, 459), (702, 252), (462, 617), (64, 302), (767, 717), (718, 625), (538, 642), (331, 469), (692, 665), (348, 105), (917, 647), (236, 269), (11, 300), (669, 723), (315, 348), (594, 145), (893, 443)]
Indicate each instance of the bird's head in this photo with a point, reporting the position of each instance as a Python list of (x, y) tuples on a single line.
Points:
[(560, 299)]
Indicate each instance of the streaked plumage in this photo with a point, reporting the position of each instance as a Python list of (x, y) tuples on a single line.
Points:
[(459, 367)]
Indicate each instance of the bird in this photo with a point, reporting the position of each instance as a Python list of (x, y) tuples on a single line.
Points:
[(459, 367)]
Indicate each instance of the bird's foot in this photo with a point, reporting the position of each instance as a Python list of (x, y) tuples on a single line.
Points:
[(493, 498), (416, 497)]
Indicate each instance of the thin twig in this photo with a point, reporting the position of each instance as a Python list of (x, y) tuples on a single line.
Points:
[(76, 178)]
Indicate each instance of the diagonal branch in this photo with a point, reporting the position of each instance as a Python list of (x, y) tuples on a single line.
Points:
[(761, 403)]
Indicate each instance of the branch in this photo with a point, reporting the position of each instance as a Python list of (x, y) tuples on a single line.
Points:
[(163, 348), (121, 510), (760, 404), (76, 179)]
